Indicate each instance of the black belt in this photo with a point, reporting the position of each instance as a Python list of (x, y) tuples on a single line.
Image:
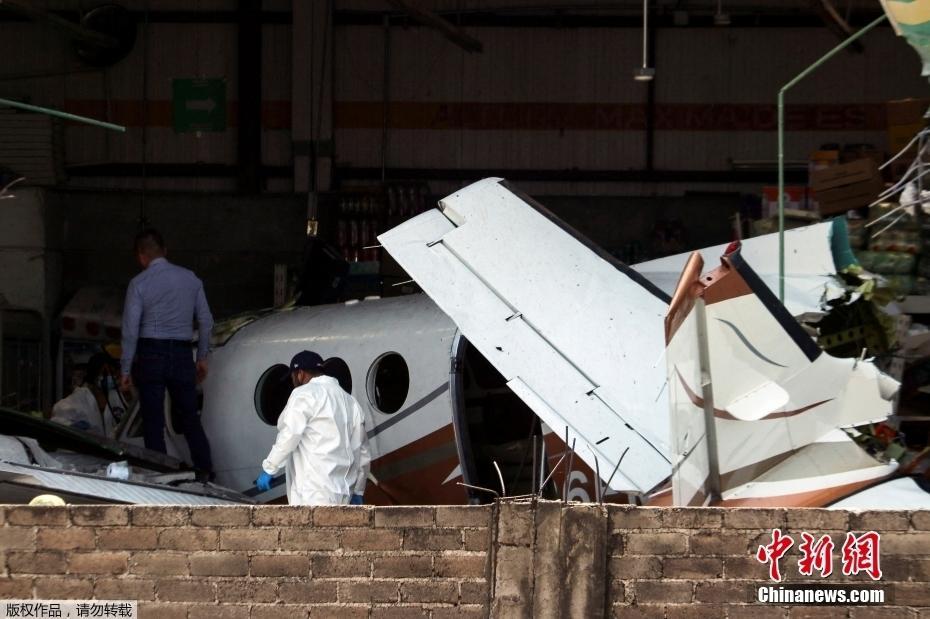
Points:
[(151, 341)]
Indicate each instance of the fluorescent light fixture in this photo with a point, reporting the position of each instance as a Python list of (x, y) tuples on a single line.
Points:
[(721, 18), (644, 74)]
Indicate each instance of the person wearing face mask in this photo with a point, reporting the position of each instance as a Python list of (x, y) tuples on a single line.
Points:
[(92, 407)]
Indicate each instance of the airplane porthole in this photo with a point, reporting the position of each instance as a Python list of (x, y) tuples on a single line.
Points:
[(339, 369), (388, 383), (271, 393)]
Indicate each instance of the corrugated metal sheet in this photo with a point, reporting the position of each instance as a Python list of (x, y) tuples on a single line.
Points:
[(520, 68), (30, 145), (106, 489), (696, 67), (116, 93)]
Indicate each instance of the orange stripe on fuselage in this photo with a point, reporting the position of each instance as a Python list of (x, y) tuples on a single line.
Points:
[(418, 484)]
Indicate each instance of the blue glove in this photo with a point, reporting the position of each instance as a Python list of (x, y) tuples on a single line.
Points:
[(357, 499), (263, 482)]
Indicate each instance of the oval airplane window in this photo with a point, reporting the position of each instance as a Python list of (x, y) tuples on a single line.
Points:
[(271, 393), (339, 369), (388, 383)]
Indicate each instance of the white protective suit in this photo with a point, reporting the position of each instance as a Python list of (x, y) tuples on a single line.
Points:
[(323, 444), (79, 410)]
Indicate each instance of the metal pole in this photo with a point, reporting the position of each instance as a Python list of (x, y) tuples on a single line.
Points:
[(707, 391), (65, 115), (385, 97), (781, 145)]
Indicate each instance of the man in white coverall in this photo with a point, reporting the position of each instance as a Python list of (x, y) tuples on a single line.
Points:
[(322, 441)]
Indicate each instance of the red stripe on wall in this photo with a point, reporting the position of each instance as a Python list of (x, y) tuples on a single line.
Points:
[(440, 116), (610, 116), (132, 113)]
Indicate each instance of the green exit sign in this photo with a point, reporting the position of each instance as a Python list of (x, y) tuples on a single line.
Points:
[(198, 105)]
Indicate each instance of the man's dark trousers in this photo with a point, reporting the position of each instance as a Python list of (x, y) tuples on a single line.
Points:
[(169, 364)]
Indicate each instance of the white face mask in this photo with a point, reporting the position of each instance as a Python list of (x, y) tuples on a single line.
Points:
[(107, 382)]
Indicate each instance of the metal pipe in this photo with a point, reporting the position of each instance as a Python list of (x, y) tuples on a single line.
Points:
[(249, 143), (651, 104), (781, 145), (385, 97), (568, 473), (431, 19), (143, 221), (58, 114), (75, 30)]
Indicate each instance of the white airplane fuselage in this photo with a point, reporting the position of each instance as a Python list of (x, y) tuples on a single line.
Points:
[(359, 333)]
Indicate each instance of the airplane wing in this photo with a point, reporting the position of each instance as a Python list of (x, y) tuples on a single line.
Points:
[(809, 266), (577, 335)]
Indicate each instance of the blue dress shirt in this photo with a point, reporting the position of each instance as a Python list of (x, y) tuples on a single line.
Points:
[(161, 303)]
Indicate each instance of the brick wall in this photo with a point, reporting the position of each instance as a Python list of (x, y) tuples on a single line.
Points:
[(511, 560), (691, 562), (241, 562)]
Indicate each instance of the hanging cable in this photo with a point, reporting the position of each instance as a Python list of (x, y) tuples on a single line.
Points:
[(143, 220)]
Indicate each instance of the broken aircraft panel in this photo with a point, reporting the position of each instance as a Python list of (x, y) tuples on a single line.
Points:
[(756, 405), (809, 266), (569, 327)]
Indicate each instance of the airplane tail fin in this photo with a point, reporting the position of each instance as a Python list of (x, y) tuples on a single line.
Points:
[(748, 387)]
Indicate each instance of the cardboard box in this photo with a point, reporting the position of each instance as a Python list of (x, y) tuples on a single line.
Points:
[(796, 198), (900, 135), (858, 171), (847, 197), (905, 118), (820, 159), (906, 111)]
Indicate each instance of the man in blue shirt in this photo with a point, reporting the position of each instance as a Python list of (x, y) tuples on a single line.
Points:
[(162, 303)]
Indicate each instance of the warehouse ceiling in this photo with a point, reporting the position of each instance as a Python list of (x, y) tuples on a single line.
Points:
[(477, 11)]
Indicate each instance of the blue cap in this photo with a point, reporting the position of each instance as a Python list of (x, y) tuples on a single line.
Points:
[(306, 360)]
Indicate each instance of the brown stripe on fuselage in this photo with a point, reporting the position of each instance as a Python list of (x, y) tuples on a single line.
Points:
[(797, 411), (699, 401), (415, 474), (813, 498), (444, 434), (745, 474), (722, 414), (686, 291)]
